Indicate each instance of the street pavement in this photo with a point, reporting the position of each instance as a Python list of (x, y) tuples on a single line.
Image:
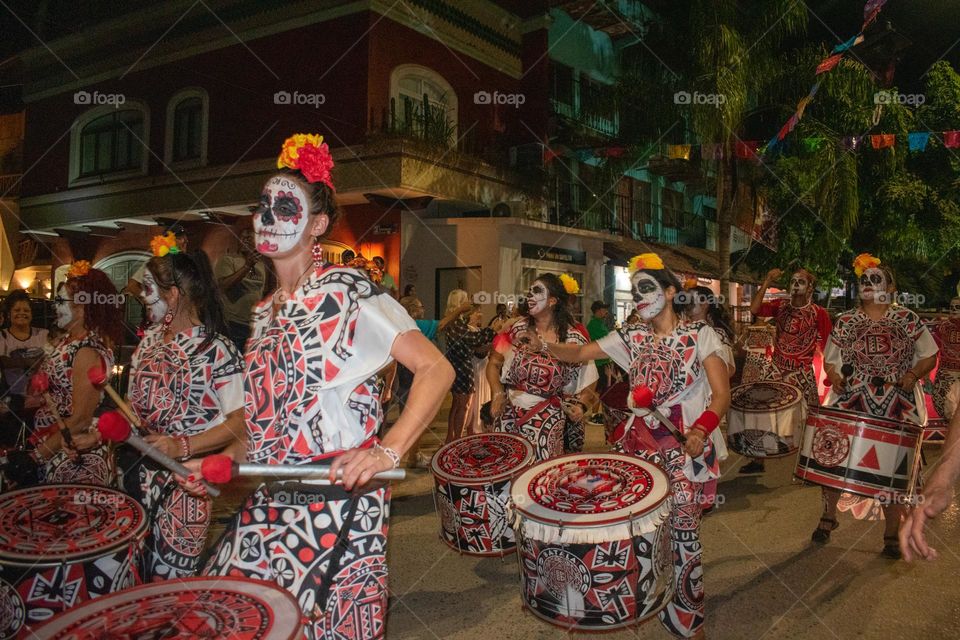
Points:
[(763, 576)]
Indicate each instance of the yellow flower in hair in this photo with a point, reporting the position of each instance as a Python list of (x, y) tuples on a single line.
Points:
[(78, 269), (569, 284), (162, 245), (645, 261), (863, 262)]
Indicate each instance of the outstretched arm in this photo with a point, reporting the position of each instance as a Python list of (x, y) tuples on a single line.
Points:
[(757, 300)]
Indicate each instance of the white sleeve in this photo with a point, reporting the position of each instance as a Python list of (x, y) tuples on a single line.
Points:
[(228, 375), (586, 376), (380, 321), (926, 346), (832, 355), (615, 345), (709, 344)]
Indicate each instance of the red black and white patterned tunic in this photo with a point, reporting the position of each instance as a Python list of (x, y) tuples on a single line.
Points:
[(946, 385), (673, 368), (537, 383), (180, 387), (310, 389), (886, 349), (800, 331)]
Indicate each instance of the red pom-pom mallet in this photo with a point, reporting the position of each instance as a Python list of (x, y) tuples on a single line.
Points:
[(39, 383), (642, 396), (218, 468), (100, 379), (115, 428)]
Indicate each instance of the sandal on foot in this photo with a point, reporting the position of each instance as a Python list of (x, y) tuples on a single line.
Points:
[(891, 548), (753, 467), (822, 534)]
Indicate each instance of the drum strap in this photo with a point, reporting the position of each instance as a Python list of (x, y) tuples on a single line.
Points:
[(336, 555)]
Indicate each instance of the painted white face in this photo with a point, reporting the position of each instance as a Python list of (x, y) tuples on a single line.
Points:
[(799, 285), (873, 286), (156, 305), (537, 298), (955, 307), (648, 295), (281, 219), (62, 306)]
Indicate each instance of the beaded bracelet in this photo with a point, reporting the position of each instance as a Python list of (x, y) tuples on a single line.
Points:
[(184, 447), (390, 453)]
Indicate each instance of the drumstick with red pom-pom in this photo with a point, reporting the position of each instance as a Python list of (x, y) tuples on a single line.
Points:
[(98, 378), (40, 386), (221, 469), (643, 399), (115, 428)]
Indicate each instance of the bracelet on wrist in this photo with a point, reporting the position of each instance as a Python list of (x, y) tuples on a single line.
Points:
[(184, 447), (390, 453)]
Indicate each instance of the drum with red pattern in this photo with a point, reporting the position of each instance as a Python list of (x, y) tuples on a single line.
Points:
[(594, 537), (936, 431), (764, 418), (472, 478), (184, 609), (859, 453), (616, 407), (61, 545)]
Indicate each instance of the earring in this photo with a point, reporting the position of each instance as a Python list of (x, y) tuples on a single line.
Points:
[(317, 253), (167, 319)]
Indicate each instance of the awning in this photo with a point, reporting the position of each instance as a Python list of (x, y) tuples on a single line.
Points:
[(680, 259)]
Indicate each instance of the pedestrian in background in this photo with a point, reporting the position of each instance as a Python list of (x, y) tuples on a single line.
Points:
[(242, 277)]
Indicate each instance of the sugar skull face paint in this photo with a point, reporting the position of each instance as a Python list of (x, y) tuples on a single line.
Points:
[(873, 286), (537, 298), (955, 307), (648, 295), (156, 305), (282, 216), (62, 306), (799, 284)]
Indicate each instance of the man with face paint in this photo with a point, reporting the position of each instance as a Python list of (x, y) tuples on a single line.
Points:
[(686, 367), (802, 328), (311, 398), (242, 276), (888, 351), (946, 384)]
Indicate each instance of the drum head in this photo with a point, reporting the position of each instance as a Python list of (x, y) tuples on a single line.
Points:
[(764, 397), (58, 523), (205, 607), (591, 490), (482, 458)]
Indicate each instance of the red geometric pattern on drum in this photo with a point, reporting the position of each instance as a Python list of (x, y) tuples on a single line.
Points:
[(667, 365), (186, 614), (763, 397), (797, 335), (947, 333), (591, 486), (59, 369), (830, 446), (294, 357), (483, 456), (52, 520), (538, 372), (355, 609)]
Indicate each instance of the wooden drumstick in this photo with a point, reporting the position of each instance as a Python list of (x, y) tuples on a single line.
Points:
[(221, 469), (115, 428), (99, 379)]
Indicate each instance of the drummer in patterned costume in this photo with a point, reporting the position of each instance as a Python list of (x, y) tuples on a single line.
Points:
[(946, 384), (802, 328), (186, 388), (87, 310), (534, 393), (315, 347), (875, 358), (686, 368)]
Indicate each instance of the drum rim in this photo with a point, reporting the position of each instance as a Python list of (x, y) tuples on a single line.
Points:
[(442, 474), (795, 402), (39, 561), (166, 586), (519, 485), (872, 421)]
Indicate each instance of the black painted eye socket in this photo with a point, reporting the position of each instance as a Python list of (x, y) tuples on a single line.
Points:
[(645, 286), (264, 204), (876, 279), (536, 290), (286, 207)]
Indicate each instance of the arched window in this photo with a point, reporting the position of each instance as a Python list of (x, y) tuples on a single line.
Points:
[(108, 140), (413, 87), (186, 132)]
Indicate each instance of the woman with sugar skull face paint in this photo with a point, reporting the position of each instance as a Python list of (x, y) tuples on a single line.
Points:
[(87, 306), (686, 368), (533, 392), (186, 388), (946, 384), (887, 350), (311, 397)]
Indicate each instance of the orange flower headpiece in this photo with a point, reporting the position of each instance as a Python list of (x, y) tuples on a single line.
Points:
[(569, 284), (690, 283), (645, 261), (79, 269), (308, 154), (162, 245), (863, 262)]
